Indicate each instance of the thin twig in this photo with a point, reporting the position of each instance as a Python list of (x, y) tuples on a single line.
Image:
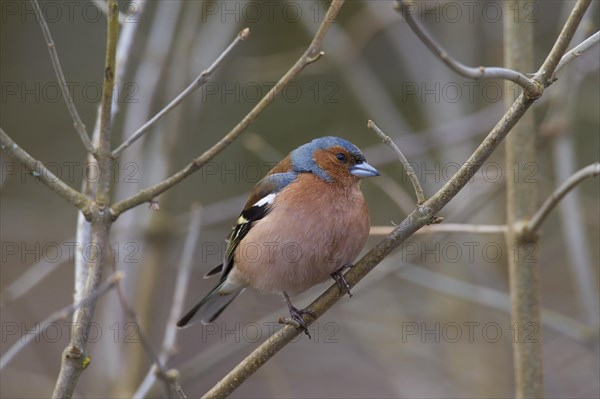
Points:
[(185, 267), (168, 376), (559, 124), (196, 84), (409, 170), (33, 276), (79, 126), (56, 316), (407, 7), (562, 42), (309, 56), (448, 228), (124, 49), (103, 7), (491, 298), (159, 45), (578, 50), (357, 73), (401, 197), (38, 170), (538, 218)]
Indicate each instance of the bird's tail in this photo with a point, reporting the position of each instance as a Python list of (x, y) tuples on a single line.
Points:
[(210, 307)]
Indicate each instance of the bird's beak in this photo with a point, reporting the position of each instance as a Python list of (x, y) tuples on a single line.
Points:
[(363, 169)]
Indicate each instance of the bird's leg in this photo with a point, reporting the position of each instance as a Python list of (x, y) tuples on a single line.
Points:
[(339, 278), (297, 314)]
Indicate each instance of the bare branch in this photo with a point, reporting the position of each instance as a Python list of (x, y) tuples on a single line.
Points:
[(31, 277), (395, 192), (56, 316), (196, 84), (306, 58), (491, 298), (524, 275), (103, 7), (409, 170), (79, 126), (185, 267), (407, 7), (538, 218), (38, 170), (584, 46), (74, 358), (448, 228), (560, 120), (168, 376), (562, 42), (124, 48)]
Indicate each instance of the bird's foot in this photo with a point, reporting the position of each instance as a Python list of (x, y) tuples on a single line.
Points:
[(296, 316), (340, 280), (297, 320)]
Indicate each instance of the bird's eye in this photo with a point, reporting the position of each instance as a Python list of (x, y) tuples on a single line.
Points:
[(341, 157)]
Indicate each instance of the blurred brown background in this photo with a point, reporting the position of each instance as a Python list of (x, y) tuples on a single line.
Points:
[(431, 321)]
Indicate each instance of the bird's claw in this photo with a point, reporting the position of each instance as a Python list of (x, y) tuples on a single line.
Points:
[(340, 280), (297, 320)]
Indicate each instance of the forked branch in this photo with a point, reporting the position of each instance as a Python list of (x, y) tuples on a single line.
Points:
[(407, 9)]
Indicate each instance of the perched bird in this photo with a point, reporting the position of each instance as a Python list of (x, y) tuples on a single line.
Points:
[(304, 222)]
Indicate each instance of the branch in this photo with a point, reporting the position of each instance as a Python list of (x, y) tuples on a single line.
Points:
[(74, 358), (183, 277), (124, 46), (395, 192), (196, 84), (168, 376), (103, 8), (491, 298), (538, 218), (108, 85), (38, 170), (56, 316), (448, 228), (523, 273), (409, 170), (32, 277), (407, 8), (562, 42), (584, 46), (79, 126), (310, 55)]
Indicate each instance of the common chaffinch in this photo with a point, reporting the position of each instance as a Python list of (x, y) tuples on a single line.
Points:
[(304, 222)]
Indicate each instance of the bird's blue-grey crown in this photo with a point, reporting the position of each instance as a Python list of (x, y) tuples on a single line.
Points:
[(303, 161)]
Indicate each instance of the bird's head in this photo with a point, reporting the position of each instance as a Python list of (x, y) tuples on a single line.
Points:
[(332, 159)]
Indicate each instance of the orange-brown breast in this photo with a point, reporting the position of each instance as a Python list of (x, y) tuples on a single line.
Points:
[(314, 228)]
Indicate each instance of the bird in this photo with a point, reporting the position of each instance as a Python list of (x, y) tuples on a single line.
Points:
[(303, 223)]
